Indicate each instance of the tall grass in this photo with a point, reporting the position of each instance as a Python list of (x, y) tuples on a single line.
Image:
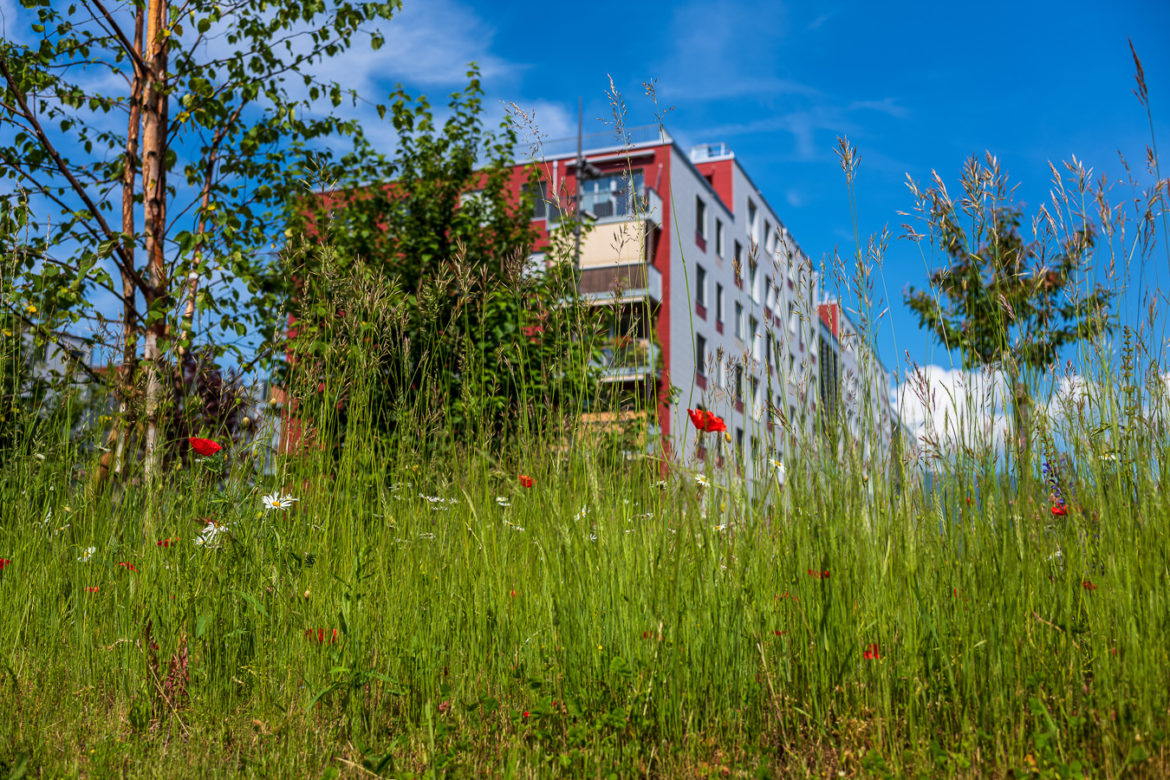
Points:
[(419, 611)]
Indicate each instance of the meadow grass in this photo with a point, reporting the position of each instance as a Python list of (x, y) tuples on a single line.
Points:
[(602, 621)]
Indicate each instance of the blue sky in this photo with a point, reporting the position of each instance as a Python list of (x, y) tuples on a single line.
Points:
[(916, 87)]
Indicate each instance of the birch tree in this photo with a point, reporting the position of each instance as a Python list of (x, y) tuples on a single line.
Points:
[(159, 145)]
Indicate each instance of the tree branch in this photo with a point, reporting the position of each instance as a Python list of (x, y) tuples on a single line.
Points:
[(47, 145)]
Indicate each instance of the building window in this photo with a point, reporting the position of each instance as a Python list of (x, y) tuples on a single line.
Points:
[(739, 384), (719, 303), (739, 442), (737, 262), (769, 292), (753, 331), (751, 225), (719, 237), (700, 355), (612, 196), (768, 243), (542, 206), (700, 218), (739, 320), (792, 317), (700, 286), (753, 278)]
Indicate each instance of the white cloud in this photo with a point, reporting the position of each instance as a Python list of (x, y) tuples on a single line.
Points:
[(430, 44), (946, 408), (885, 106), (726, 50)]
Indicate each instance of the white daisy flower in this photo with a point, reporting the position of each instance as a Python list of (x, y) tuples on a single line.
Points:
[(660, 484), (503, 501), (581, 515), (277, 501), (86, 554), (701, 480), (209, 536), (438, 499), (778, 467)]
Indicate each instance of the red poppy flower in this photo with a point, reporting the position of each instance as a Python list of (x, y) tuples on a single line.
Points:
[(319, 635), (1060, 510), (1088, 585), (4, 562), (777, 632), (525, 713), (92, 589), (871, 652), (526, 481), (166, 542), (706, 421), (204, 447), (820, 575), (127, 565)]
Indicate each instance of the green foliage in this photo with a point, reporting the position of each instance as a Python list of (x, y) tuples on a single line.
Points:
[(1001, 299), (462, 319), (242, 124)]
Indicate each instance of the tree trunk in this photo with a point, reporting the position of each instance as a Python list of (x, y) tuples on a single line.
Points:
[(1021, 429), (125, 380), (154, 139)]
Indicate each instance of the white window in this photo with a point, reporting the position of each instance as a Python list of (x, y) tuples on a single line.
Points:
[(700, 218), (719, 238), (739, 320), (701, 286), (719, 303), (700, 354)]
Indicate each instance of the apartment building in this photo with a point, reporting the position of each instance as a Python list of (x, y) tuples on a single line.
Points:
[(854, 385), (715, 299)]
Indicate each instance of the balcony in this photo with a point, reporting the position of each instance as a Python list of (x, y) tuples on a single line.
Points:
[(640, 426), (624, 283), (618, 206), (628, 360)]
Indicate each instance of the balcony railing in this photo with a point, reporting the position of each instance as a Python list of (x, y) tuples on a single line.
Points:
[(617, 206), (621, 283), (636, 359)]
